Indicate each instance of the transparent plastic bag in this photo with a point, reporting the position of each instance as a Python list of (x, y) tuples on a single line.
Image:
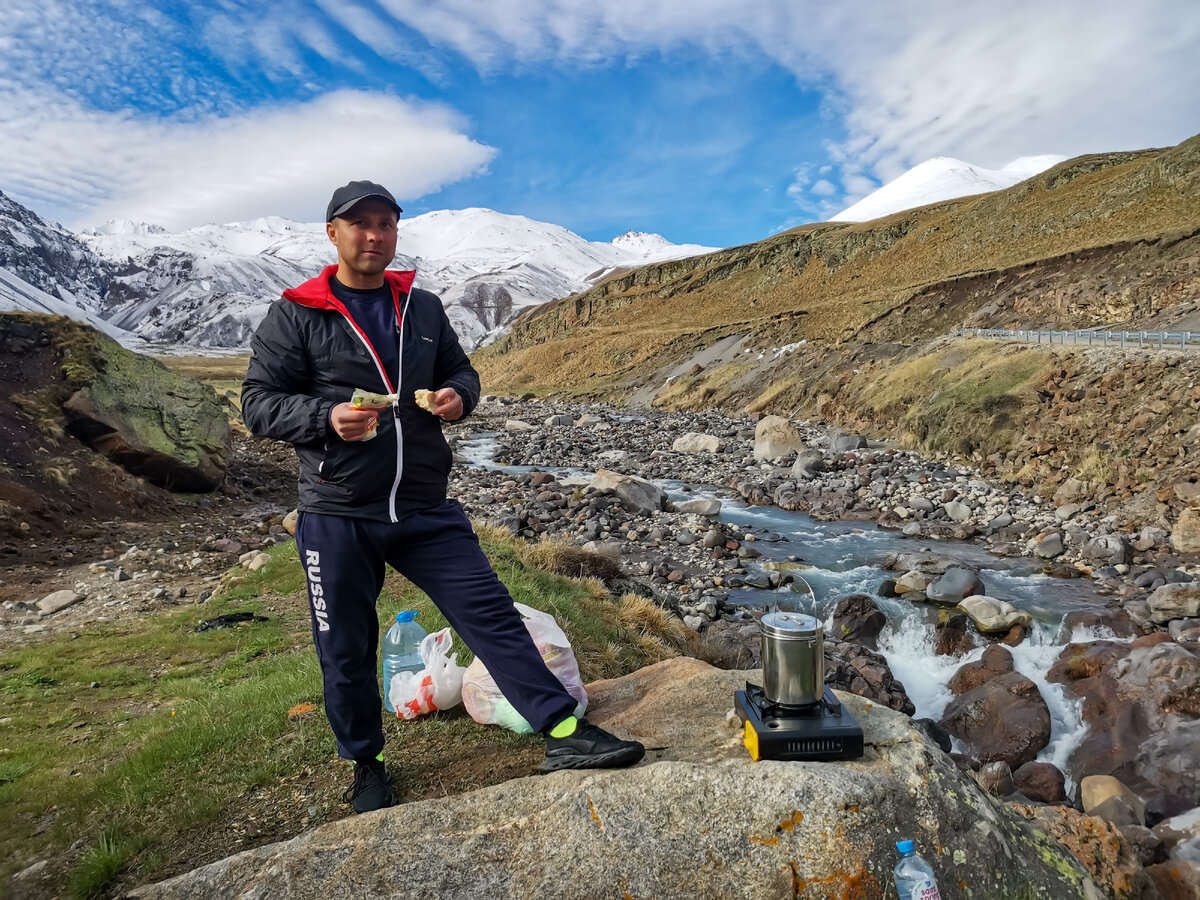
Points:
[(437, 686), (488, 706)]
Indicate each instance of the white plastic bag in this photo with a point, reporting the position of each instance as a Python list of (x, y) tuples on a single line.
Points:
[(488, 706), (437, 686)]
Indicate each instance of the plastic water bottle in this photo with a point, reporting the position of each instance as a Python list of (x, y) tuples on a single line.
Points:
[(401, 651), (914, 876)]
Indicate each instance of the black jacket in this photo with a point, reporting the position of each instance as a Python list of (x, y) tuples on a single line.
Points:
[(309, 354)]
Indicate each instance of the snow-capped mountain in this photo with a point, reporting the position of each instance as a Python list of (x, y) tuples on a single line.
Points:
[(942, 178), (48, 260), (211, 285)]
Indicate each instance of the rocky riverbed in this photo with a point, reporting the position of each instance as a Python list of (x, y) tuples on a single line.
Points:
[(647, 488)]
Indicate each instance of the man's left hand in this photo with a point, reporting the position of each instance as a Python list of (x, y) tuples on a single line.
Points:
[(447, 404)]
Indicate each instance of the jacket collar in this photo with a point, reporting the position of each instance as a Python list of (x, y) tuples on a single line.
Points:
[(316, 291)]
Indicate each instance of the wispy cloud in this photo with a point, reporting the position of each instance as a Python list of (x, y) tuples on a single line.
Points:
[(86, 166), (974, 79)]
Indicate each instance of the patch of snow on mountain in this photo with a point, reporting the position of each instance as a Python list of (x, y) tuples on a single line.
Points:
[(942, 178), (18, 295)]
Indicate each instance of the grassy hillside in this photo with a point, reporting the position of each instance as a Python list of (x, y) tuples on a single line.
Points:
[(920, 271)]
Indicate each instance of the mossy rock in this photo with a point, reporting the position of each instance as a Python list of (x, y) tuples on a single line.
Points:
[(171, 430)]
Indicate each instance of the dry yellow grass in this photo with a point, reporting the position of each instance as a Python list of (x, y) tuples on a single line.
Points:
[(826, 283)]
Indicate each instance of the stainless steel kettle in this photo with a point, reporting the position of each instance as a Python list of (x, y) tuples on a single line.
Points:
[(793, 658)]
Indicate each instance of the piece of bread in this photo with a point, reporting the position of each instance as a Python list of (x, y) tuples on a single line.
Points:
[(424, 400)]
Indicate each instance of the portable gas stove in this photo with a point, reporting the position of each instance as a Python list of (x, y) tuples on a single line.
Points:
[(794, 715), (823, 730)]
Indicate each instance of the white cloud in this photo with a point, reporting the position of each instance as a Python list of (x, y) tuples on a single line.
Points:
[(86, 166), (977, 80), (823, 188)]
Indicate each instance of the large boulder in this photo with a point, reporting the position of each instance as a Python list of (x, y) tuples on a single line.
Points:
[(808, 463), (996, 660), (1175, 601), (758, 829), (954, 585), (171, 430), (1185, 534), (992, 616), (637, 494), (858, 619), (1141, 702), (693, 442), (1005, 718), (775, 436)]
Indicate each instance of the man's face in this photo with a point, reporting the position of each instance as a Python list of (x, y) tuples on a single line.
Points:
[(365, 237)]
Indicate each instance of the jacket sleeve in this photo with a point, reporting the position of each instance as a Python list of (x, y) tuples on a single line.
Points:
[(274, 402), (453, 368)]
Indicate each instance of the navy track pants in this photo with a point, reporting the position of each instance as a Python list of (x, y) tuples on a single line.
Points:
[(436, 550)]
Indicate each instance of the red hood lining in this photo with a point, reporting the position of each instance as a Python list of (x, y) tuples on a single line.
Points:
[(317, 293)]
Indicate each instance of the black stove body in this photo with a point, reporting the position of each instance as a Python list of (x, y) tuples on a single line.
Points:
[(820, 731)]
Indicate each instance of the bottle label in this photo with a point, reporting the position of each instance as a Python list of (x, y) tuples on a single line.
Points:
[(926, 890)]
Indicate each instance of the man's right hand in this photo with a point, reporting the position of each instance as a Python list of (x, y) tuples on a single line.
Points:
[(352, 424)]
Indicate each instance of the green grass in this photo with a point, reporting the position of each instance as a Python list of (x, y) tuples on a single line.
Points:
[(186, 735)]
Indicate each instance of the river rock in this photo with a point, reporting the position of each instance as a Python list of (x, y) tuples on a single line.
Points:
[(1176, 879), (1048, 545), (52, 603), (1005, 718), (992, 616), (858, 619), (763, 829), (289, 522), (957, 511), (518, 425), (1107, 797), (1185, 535), (953, 636), (911, 583), (996, 778), (1099, 846), (700, 507), (693, 442), (996, 660), (559, 420), (1142, 704), (1105, 550), (1042, 782), (842, 443), (636, 493), (171, 430), (775, 436), (1175, 601), (953, 585), (808, 464)]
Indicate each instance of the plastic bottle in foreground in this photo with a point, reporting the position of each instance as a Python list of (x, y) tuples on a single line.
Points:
[(914, 877), (401, 651)]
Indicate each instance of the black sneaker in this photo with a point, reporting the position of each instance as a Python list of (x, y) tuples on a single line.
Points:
[(589, 747), (370, 790)]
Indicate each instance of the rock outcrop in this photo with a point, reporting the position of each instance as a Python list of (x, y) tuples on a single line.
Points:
[(171, 430), (696, 818)]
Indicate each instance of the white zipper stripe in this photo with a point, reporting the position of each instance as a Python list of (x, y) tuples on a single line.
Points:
[(370, 352), (396, 415)]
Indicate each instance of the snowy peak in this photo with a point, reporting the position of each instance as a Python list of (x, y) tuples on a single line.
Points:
[(942, 178)]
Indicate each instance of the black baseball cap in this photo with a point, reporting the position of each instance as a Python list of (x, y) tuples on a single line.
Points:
[(349, 194)]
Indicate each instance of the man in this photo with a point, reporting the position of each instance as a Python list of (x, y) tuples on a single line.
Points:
[(373, 488)]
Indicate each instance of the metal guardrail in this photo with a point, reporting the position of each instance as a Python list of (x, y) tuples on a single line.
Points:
[(1141, 340)]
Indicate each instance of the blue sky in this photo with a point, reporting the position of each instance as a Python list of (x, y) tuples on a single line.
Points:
[(708, 121)]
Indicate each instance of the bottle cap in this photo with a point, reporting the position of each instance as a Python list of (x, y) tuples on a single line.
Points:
[(407, 616), (904, 846)]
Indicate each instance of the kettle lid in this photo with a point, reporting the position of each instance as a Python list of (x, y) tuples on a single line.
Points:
[(791, 626)]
